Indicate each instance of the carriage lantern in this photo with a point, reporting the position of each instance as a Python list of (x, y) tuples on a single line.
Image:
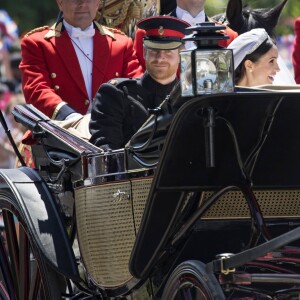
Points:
[(208, 68)]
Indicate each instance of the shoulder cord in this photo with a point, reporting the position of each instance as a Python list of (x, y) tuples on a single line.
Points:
[(127, 14)]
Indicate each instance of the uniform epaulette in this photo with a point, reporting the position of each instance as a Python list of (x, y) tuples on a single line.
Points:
[(115, 30), (39, 29)]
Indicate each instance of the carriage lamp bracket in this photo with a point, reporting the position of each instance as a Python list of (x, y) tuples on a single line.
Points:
[(209, 122)]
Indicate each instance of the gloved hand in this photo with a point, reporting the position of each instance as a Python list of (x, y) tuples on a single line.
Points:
[(73, 115)]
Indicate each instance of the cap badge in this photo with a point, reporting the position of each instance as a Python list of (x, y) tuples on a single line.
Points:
[(161, 30)]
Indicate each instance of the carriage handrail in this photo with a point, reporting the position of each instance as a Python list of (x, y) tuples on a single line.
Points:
[(42, 126)]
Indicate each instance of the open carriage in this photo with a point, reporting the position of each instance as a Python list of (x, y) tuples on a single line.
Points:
[(203, 203)]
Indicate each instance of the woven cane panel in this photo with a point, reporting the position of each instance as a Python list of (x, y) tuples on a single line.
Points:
[(140, 191), (273, 204), (106, 230)]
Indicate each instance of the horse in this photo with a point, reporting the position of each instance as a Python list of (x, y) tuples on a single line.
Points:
[(242, 18)]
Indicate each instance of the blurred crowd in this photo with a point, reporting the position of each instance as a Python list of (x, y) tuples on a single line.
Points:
[(10, 86)]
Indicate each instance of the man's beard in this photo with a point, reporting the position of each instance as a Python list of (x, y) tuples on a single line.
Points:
[(160, 74)]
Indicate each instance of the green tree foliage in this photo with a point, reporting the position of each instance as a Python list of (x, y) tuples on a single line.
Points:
[(29, 14)]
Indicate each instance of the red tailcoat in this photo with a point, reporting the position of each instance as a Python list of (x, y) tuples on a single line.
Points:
[(51, 73)]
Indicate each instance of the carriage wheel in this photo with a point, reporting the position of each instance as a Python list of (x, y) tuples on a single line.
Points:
[(23, 273), (189, 281)]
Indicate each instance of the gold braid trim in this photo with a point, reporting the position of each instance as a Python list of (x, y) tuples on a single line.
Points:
[(122, 16), (135, 12), (131, 11), (39, 29), (57, 108)]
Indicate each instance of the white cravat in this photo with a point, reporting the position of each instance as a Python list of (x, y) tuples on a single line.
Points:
[(200, 18), (78, 33), (82, 41), (186, 16)]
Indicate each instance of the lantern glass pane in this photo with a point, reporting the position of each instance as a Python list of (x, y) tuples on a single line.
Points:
[(214, 71), (186, 73)]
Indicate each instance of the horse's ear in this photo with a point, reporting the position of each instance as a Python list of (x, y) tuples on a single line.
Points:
[(272, 15), (234, 14)]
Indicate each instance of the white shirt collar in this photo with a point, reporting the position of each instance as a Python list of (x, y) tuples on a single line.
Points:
[(198, 19), (70, 27)]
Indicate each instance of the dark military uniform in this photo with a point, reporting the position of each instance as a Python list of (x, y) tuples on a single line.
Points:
[(121, 107)]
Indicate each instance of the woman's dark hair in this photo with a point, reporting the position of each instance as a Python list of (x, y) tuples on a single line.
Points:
[(240, 71)]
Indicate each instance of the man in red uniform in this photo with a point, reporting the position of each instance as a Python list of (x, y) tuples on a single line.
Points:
[(296, 51), (191, 11), (64, 65)]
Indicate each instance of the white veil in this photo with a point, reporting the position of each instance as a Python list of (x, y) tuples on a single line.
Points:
[(284, 76)]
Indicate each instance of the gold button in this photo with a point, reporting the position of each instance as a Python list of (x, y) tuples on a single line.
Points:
[(56, 87), (53, 75), (117, 74), (86, 102)]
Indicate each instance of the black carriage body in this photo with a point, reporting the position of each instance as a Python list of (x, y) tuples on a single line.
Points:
[(198, 211), (35, 205), (226, 181)]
